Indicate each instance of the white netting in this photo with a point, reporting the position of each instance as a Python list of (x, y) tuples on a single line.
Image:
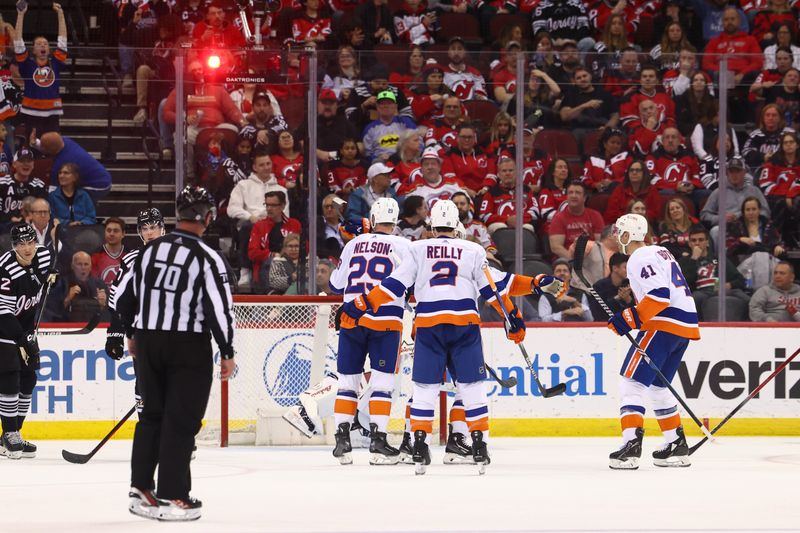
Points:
[(281, 349)]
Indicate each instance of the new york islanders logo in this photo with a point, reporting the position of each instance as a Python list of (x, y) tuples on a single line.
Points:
[(44, 76), (287, 367)]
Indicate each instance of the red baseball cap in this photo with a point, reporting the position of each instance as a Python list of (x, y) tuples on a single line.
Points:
[(327, 94)]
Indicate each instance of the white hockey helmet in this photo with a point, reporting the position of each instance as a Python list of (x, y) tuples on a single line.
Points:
[(384, 211), (634, 225), (444, 214), (461, 231)]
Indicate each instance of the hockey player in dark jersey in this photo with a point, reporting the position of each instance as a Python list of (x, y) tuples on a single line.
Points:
[(23, 272), (150, 226)]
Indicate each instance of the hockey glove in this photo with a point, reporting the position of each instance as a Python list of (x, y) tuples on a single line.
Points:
[(543, 283), (29, 349), (624, 321), (353, 310), (115, 345), (350, 230), (515, 327)]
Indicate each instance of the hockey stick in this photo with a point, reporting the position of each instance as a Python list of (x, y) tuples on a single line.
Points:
[(749, 397), (577, 265), (88, 328), (82, 459), (547, 393), (505, 383)]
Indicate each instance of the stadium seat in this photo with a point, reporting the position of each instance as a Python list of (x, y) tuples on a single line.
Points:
[(42, 169), (598, 201), (394, 57), (645, 35), (460, 25), (5, 242), (558, 143), (507, 19), (82, 238), (481, 110), (590, 141), (505, 238), (532, 268), (294, 111)]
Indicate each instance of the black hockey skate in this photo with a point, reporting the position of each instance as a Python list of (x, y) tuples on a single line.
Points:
[(12, 445), (143, 502), (457, 452), (343, 448), (422, 454), (183, 510), (406, 452), (675, 453), (627, 457), (480, 454), (28, 449), (380, 452)]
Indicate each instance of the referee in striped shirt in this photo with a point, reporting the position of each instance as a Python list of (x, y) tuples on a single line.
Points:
[(174, 298)]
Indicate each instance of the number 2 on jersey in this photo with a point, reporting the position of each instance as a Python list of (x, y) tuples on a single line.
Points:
[(373, 270), (447, 272)]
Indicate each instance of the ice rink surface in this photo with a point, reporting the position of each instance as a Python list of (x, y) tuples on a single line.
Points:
[(536, 485)]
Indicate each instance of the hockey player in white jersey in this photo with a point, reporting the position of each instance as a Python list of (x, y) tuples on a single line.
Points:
[(666, 318), (447, 274), (366, 260)]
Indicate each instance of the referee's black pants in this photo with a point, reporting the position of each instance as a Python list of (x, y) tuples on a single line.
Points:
[(174, 371)]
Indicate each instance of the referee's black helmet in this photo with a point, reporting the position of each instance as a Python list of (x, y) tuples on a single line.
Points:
[(22, 233), (194, 203)]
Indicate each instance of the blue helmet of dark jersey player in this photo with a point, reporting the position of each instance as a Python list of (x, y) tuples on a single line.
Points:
[(150, 224)]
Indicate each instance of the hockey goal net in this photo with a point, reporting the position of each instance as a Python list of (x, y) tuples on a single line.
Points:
[(283, 345)]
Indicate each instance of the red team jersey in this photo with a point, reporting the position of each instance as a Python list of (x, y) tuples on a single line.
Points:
[(476, 170), (598, 169), (667, 170), (780, 179), (341, 176), (498, 204)]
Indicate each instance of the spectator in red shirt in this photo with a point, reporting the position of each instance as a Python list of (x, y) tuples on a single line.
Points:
[(647, 128), (498, 205), (606, 169), (348, 171), (574, 221), (311, 25), (622, 81), (107, 260), (504, 79), (472, 167), (406, 160), (674, 168), (777, 12), (287, 160), (636, 186), (649, 89), (552, 198), (429, 96), (744, 53), (267, 236), (444, 130)]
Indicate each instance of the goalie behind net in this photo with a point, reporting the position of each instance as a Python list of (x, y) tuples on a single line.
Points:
[(283, 346)]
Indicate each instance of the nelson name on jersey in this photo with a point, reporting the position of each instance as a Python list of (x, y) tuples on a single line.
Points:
[(443, 252), (373, 247)]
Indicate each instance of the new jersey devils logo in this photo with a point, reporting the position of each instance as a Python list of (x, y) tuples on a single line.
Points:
[(44, 76), (674, 172), (463, 89), (449, 139)]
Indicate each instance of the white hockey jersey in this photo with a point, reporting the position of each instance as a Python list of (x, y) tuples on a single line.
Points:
[(447, 276), (366, 260), (664, 299)]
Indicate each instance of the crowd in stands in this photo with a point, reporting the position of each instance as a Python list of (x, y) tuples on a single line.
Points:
[(631, 85)]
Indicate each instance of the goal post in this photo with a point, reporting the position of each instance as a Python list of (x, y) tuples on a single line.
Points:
[(283, 345)]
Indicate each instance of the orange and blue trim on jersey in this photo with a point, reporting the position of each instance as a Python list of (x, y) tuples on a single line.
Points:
[(462, 312), (656, 314), (636, 357)]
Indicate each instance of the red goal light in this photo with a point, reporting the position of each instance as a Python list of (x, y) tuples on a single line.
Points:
[(213, 61)]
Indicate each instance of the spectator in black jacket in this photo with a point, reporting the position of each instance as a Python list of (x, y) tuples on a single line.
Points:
[(615, 288)]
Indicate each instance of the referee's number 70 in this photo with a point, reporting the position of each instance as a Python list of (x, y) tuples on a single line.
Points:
[(167, 277)]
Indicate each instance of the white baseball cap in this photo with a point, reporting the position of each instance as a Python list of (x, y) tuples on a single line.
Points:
[(379, 168), (431, 152)]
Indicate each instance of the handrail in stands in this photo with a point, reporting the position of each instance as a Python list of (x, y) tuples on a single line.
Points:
[(108, 154)]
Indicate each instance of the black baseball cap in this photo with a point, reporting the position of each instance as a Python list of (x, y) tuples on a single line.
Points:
[(24, 154)]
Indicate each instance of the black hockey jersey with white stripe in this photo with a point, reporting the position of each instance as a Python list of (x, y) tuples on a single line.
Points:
[(20, 292)]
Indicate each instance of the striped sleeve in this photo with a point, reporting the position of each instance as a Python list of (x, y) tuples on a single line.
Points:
[(653, 303), (218, 302)]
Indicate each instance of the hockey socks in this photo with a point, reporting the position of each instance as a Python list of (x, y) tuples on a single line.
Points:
[(22, 409), (380, 400), (9, 411)]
